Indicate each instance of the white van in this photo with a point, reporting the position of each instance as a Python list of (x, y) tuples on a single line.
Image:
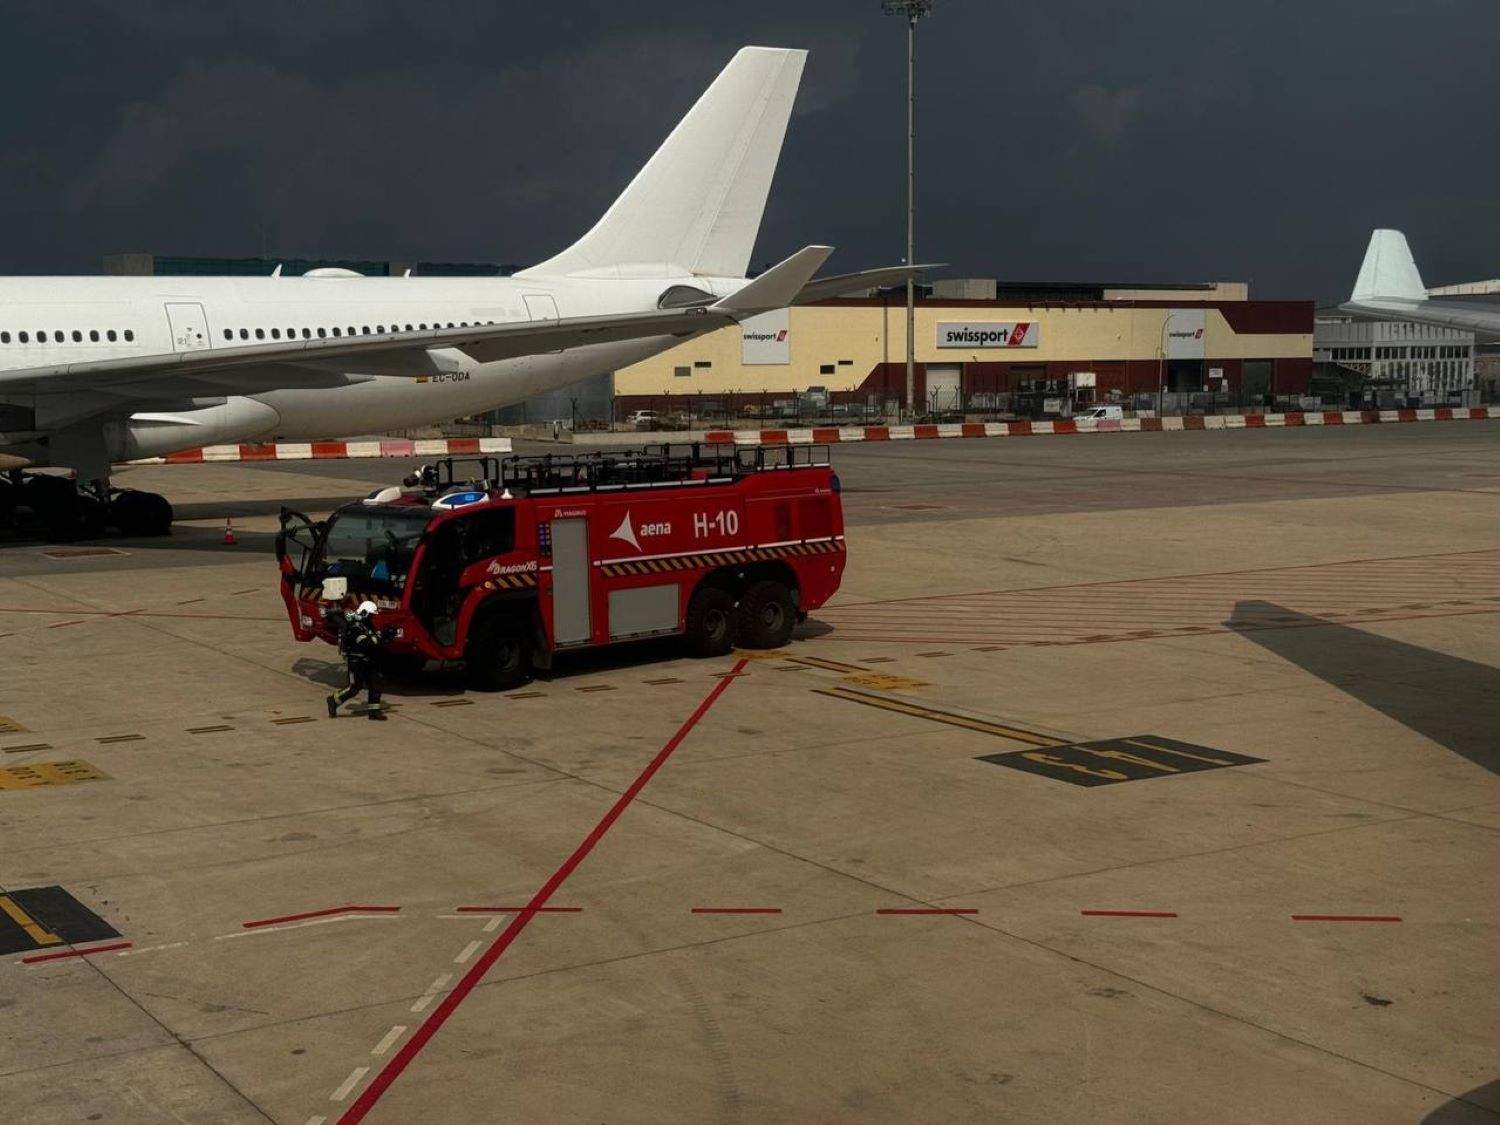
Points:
[(1102, 413)]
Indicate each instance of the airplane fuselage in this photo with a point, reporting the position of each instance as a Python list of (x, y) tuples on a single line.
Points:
[(62, 320)]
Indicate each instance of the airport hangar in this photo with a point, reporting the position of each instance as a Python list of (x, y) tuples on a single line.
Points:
[(977, 340)]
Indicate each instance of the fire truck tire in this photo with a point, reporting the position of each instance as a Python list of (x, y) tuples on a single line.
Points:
[(400, 666), (767, 615), (499, 655), (712, 624)]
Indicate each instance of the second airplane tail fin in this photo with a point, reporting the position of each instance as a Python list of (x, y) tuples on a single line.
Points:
[(1389, 271), (696, 206)]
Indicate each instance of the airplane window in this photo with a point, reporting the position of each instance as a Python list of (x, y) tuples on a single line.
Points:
[(408, 327), (110, 335), (129, 335), (41, 337), (229, 333), (23, 337), (260, 333), (307, 333), (244, 334), (423, 327), (93, 335), (365, 330), (353, 331), (322, 333), (77, 336), (380, 330), (4, 337), (336, 330), (275, 333)]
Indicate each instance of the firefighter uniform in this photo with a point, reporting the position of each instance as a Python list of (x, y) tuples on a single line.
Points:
[(359, 643)]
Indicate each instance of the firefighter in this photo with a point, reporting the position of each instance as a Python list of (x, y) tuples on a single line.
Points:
[(359, 643)]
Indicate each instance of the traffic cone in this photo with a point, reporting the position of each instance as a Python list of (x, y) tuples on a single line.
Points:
[(229, 539)]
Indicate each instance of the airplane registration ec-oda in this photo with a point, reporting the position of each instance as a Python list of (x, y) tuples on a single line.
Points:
[(98, 370)]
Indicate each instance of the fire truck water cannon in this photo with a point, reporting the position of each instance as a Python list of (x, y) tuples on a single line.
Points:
[(500, 564)]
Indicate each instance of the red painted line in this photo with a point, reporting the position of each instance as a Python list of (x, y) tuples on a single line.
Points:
[(516, 909), (736, 910), (903, 910), (1345, 918), (413, 1046), (1129, 913), (320, 914), (75, 952)]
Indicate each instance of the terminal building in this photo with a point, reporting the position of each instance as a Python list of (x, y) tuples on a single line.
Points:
[(982, 344), (1399, 363)]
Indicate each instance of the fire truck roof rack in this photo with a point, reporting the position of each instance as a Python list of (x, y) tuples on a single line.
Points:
[(652, 466)]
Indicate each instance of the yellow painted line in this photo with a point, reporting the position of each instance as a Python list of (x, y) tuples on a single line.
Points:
[(826, 665), (33, 928), (48, 773), (885, 681), (983, 726)]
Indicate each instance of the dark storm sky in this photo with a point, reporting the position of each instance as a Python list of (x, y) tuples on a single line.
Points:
[(1141, 139)]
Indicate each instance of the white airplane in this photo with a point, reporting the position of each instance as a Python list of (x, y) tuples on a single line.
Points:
[(1390, 288), (97, 370)]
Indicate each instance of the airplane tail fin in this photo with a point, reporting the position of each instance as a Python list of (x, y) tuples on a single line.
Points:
[(1389, 271), (696, 206)]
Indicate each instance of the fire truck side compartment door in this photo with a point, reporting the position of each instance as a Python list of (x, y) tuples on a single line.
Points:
[(571, 622), (643, 611)]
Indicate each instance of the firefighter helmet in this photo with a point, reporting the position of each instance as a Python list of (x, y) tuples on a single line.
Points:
[(366, 609)]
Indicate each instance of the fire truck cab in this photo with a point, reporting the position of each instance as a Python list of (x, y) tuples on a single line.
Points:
[(532, 556)]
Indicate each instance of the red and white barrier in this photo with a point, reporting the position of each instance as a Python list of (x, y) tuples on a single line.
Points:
[(332, 450), (828, 434)]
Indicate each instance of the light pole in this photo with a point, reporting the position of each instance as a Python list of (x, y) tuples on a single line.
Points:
[(913, 10)]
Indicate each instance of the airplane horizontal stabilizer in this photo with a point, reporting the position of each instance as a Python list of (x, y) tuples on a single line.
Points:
[(778, 287)]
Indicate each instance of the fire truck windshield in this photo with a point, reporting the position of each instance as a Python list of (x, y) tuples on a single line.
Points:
[(373, 542)]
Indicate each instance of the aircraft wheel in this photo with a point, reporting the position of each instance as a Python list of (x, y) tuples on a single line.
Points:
[(139, 514)]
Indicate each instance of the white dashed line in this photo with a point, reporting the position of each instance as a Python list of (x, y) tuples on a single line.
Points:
[(432, 990), (349, 1083), (316, 1120), (468, 952), (390, 1038), (492, 925), (150, 949)]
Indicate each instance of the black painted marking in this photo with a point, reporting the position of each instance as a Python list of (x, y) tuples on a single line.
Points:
[(1115, 760), (51, 919)]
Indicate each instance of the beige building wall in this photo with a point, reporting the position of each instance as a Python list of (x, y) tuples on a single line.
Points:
[(855, 338)]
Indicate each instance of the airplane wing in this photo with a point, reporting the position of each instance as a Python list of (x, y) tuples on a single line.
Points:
[(1390, 288), (262, 367), (259, 367)]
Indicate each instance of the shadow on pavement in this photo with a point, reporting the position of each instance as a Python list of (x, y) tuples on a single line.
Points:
[(1479, 1104), (1452, 701)]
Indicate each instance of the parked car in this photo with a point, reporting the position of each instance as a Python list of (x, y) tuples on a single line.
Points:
[(1103, 413), (643, 419)]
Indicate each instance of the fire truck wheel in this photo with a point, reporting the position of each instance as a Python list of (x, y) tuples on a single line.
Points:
[(767, 615), (400, 665), (712, 626), (499, 656)]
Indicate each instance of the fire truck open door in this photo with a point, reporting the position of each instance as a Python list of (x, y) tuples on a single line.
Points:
[(571, 622)]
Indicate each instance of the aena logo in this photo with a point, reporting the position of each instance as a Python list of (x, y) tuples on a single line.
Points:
[(626, 532)]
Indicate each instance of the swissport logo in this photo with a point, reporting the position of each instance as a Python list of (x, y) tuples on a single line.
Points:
[(778, 337), (1197, 335), (989, 334)]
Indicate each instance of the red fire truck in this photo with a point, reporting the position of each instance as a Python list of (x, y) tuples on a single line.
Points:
[(532, 556)]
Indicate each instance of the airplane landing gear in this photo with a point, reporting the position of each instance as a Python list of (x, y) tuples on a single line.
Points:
[(67, 510)]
